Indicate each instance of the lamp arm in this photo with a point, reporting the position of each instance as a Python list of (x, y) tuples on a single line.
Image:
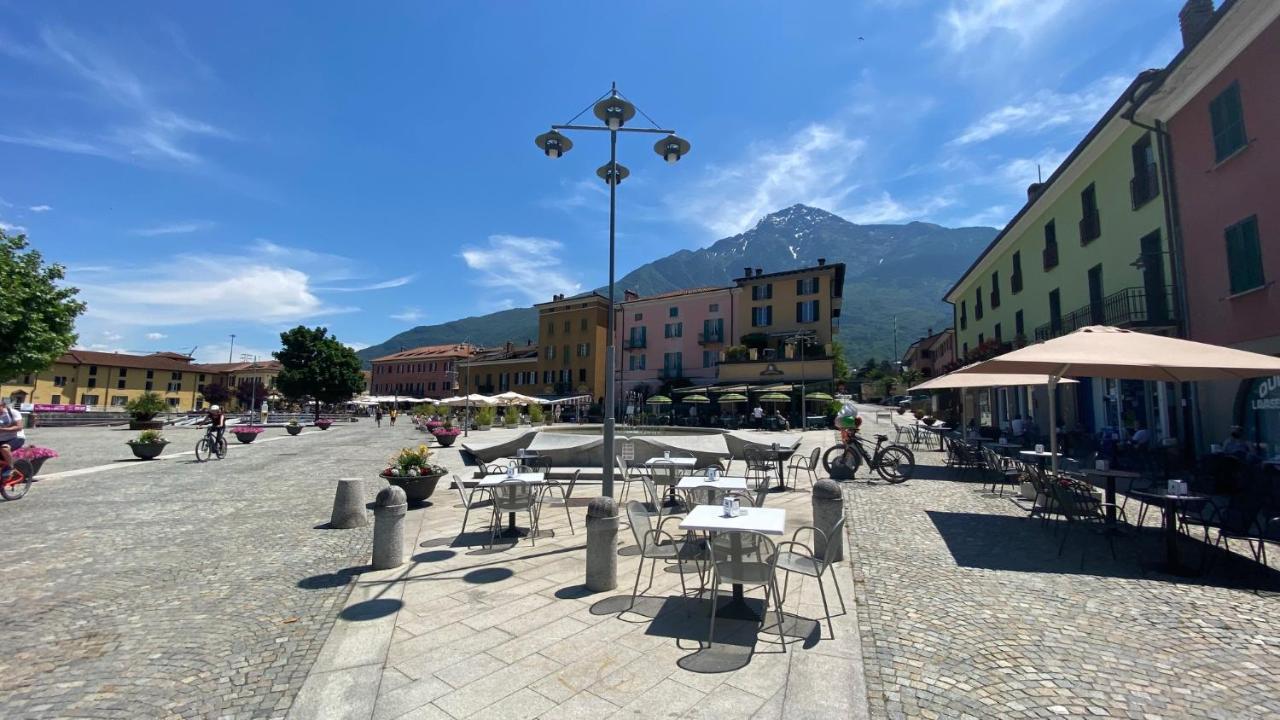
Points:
[(605, 129)]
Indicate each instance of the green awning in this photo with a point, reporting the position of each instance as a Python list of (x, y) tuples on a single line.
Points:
[(658, 400), (696, 399), (774, 397), (821, 396), (732, 398)]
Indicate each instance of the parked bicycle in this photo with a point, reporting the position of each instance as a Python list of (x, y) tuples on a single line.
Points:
[(210, 445), (18, 483), (895, 463)]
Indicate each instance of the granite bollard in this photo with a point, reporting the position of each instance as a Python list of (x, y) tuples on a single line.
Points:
[(828, 508), (388, 528), (602, 541), (348, 505)]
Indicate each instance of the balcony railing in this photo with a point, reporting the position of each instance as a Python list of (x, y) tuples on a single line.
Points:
[(1143, 188), (710, 338), (670, 373), (1090, 228), (637, 343), (1131, 307)]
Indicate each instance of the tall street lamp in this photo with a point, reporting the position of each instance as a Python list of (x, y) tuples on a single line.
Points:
[(614, 111), (801, 341)]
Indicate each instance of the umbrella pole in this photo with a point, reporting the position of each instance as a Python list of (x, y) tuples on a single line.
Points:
[(1053, 423)]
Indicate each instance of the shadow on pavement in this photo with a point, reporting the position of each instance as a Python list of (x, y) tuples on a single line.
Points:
[(371, 609), (334, 579)]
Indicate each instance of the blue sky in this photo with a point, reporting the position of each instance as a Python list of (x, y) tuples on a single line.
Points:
[(206, 169)]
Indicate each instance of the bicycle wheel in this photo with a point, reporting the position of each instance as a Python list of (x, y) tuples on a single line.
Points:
[(202, 450), (221, 448), (895, 463), (841, 459), (16, 486)]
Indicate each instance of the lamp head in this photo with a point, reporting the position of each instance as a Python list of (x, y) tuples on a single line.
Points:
[(553, 144), (672, 148), (612, 174), (614, 111)]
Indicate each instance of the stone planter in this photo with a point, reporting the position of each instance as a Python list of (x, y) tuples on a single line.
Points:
[(445, 440), (146, 424), (416, 489), (33, 465), (324, 424), (293, 429), (246, 438), (484, 427), (147, 451)]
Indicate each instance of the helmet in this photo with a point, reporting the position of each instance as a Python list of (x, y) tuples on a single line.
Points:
[(213, 408)]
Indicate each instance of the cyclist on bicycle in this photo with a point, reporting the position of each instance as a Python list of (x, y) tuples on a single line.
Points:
[(217, 420), (11, 435)]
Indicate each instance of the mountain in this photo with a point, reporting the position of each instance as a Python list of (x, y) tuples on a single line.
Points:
[(900, 270)]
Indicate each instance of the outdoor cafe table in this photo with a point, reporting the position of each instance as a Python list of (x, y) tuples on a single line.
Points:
[(711, 519), (1005, 447), (938, 429), (488, 482), (1041, 456), (1170, 505), (1110, 477), (682, 464)]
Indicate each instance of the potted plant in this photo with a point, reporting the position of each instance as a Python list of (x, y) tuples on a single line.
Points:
[(293, 427), (446, 435), (323, 423), (511, 416), (246, 433), (148, 445), (484, 418), (929, 420), (143, 410), (536, 416), (35, 456), (412, 471)]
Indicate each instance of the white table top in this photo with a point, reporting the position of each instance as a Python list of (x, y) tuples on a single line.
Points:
[(770, 521), (722, 482), (534, 478), (680, 462), (1033, 453)]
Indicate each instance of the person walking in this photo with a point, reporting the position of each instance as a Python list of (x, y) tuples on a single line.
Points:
[(393, 417), (377, 416)]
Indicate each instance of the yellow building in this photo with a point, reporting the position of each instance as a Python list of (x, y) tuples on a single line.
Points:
[(232, 374), (501, 369), (572, 337)]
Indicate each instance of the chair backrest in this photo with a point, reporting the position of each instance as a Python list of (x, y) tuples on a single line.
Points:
[(639, 519), (705, 495), (814, 457), (542, 463), (758, 459), (741, 556), (835, 532), (663, 472), (457, 482), (622, 467), (512, 495), (573, 482)]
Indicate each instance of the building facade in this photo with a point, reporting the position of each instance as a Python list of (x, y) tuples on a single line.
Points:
[(1090, 247), (1217, 102), (497, 370), (572, 337), (676, 337), (931, 355), (422, 372), (108, 381)]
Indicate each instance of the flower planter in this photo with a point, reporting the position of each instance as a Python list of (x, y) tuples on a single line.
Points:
[(293, 429), (324, 424), (146, 424), (36, 464), (445, 440), (246, 438), (484, 427), (147, 451), (416, 488)]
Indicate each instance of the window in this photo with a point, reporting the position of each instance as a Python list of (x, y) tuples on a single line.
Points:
[(55, 399), (201, 378), (89, 399), (995, 290), (1244, 256), (584, 349), (151, 374), (638, 337), (551, 328), (583, 324), (1018, 328), (964, 315), (93, 370), (568, 326), (807, 311), (999, 335), (713, 330), (564, 356), (582, 374), (173, 403), (981, 339), (551, 352), (1090, 223), (175, 376), (673, 330), (1015, 280), (93, 383), (762, 292), (1144, 186), (964, 349), (762, 316), (1055, 312), (59, 381), (636, 362), (807, 286), (977, 303), (673, 312), (672, 364), (638, 317), (714, 307), (710, 358), (1050, 245), (147, 386), (1227, 117), (119, 401), (174, 387)]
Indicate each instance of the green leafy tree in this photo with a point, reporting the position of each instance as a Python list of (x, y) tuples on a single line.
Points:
[(840, 363), (146, 406), (315, 365), (37, 313), (911, 377), (249, 393), (216, 393)]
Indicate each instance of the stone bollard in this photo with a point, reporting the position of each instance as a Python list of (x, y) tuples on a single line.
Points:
[(828, 508), (602, 542), (388, 528), (348, 505)]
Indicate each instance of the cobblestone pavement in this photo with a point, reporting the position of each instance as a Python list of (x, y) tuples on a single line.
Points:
[(967, 611), (172, 588)]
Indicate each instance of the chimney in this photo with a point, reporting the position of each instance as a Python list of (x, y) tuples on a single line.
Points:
[(628, 295), (746, 271), (1033, 191), (822, 261), (759, 272), (1194, 19), (509, 347)]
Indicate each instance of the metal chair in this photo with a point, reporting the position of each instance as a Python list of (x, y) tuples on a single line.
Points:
[(550, 485), (664, 474), (808, 563), (657, 544), (748, 559), (511, 496), (468, 500), (628, 476), (1076, 503), (761, 466), (808, 465)]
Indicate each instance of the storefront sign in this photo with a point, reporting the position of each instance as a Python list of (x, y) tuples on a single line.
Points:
[(1265, 394), (60, 408)]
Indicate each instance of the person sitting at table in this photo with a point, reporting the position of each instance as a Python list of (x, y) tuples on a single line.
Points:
[(780, 420), (1141, 436), (1018, 427), (1235, 444)]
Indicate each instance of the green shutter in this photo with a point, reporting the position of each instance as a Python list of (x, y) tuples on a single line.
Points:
[(1244, 256), (1226, 114)]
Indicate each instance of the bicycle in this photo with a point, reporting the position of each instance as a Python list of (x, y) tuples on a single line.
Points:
[(893, 462), (18, 483), (211, 444)]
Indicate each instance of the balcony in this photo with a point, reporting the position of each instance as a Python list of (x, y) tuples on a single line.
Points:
[(1050, 256), (1144, 188), (1090, 228), (1131, 307), (710, 338), (670, 373), (637, 343)]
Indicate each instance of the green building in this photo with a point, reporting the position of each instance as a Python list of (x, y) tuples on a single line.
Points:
[(1090, 247)]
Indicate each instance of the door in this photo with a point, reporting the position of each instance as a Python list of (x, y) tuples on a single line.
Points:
[(1153, 282), (1055, 313), (1097, 314)]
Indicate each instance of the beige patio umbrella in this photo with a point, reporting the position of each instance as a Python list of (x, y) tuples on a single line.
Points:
[(962, 379), (1113, 353), (512, 397)]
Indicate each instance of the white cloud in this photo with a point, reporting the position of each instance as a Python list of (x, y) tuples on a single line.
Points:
[(885, 209), (177, 228), (1046, 110), (156, 336), (408, 315), (810, 167), (110, 336), (40, 208), (968, 23), (357, 346), (12, 229), (529, 266), (219, 352), (1018, 173), (384, 285)]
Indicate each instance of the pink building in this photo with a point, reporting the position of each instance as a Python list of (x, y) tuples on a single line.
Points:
[(673, 337)]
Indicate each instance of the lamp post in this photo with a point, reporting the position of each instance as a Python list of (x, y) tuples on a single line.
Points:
[(801, 341), (614, 111), (253, 381)]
